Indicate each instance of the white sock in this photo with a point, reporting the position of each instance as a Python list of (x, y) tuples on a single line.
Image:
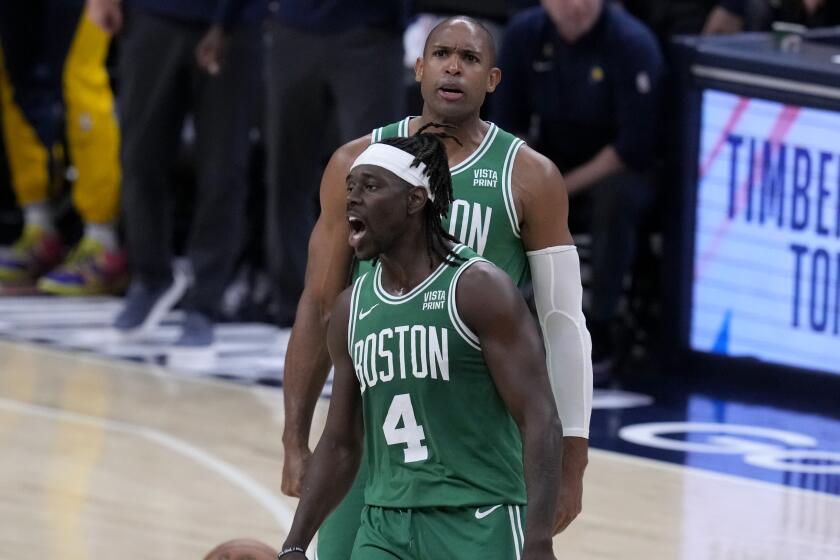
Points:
[(103, 233), (38, 215)]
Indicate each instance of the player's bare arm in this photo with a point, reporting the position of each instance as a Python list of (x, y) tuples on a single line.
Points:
[(336, 459), (541, 201), (543, 207), (327, 272), (513, 352)]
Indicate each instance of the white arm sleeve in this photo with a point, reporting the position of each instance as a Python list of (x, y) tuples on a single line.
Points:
[(558, 296)]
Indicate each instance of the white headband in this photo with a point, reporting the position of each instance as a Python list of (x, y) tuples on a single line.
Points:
[(397, 162)]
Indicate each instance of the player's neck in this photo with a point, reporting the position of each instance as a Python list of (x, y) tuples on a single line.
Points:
[(406, 264), (469, 131)]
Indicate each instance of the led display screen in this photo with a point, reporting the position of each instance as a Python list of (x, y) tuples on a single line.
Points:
[(766, 263)]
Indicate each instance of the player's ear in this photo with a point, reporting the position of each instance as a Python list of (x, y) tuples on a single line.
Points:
[(418, 69), (493, 79), (417, 198)]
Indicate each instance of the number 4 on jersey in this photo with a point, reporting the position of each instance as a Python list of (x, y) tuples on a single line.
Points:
[(411, 434)]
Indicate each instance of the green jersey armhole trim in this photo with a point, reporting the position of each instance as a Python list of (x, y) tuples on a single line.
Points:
[(460, 326), (402, 128), (354, 305), (479, 152), (507, 185)]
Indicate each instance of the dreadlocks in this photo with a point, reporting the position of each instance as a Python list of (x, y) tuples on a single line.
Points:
[(428, 148)]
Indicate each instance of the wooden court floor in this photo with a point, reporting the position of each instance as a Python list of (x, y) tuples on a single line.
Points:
[(104, 459)]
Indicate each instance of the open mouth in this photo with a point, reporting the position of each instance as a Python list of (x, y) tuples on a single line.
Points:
[(450, 93), (357, 229)]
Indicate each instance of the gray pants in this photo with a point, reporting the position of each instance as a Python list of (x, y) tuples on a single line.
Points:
[(322, 91), (160, 84)]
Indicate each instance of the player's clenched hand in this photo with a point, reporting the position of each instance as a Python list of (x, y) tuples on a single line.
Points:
[(541, 552), (107, 14), (295, 461), (570, 501)]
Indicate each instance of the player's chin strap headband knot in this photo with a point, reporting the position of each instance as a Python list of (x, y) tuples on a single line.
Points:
[(397, 162)]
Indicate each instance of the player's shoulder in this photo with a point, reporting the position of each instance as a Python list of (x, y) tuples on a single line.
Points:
[(341, 306), (531, 169), (529, 160), (333, 187), (536, 182), (347, 153), (479, 275), (484, 293), (335, 174), (526, 156)]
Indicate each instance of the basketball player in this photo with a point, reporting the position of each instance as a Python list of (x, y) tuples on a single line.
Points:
[(439, 368), (510, 206)]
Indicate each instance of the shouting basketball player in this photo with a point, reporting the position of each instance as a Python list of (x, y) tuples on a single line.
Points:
[(510, 206), (440, 377)]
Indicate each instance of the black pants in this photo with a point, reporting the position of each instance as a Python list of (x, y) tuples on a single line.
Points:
[(323, 91), (160, 83), (612, 211), (35, 36)]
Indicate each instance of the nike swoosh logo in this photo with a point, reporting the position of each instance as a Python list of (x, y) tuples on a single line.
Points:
[(363, 314), (482, 514)]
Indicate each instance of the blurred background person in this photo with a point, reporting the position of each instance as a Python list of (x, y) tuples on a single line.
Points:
[(334, 72), (811, 13), (717, 17), (196, 57), (667, 18), (54, 85), (582, 83)]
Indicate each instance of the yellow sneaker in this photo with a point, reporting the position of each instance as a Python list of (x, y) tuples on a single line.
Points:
[(36, 252), (89, 270)]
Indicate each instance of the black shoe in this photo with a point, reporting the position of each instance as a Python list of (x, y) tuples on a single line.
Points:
[(144, 308)]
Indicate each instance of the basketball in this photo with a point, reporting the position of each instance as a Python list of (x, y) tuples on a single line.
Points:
[(242, 549)]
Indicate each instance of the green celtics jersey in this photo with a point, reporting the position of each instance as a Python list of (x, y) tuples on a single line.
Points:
[(437, 433), (482, 215)]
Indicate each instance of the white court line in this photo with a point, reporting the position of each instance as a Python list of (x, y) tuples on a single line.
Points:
[(147, 369), (281, 513), (688, 469), (119, 366)]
